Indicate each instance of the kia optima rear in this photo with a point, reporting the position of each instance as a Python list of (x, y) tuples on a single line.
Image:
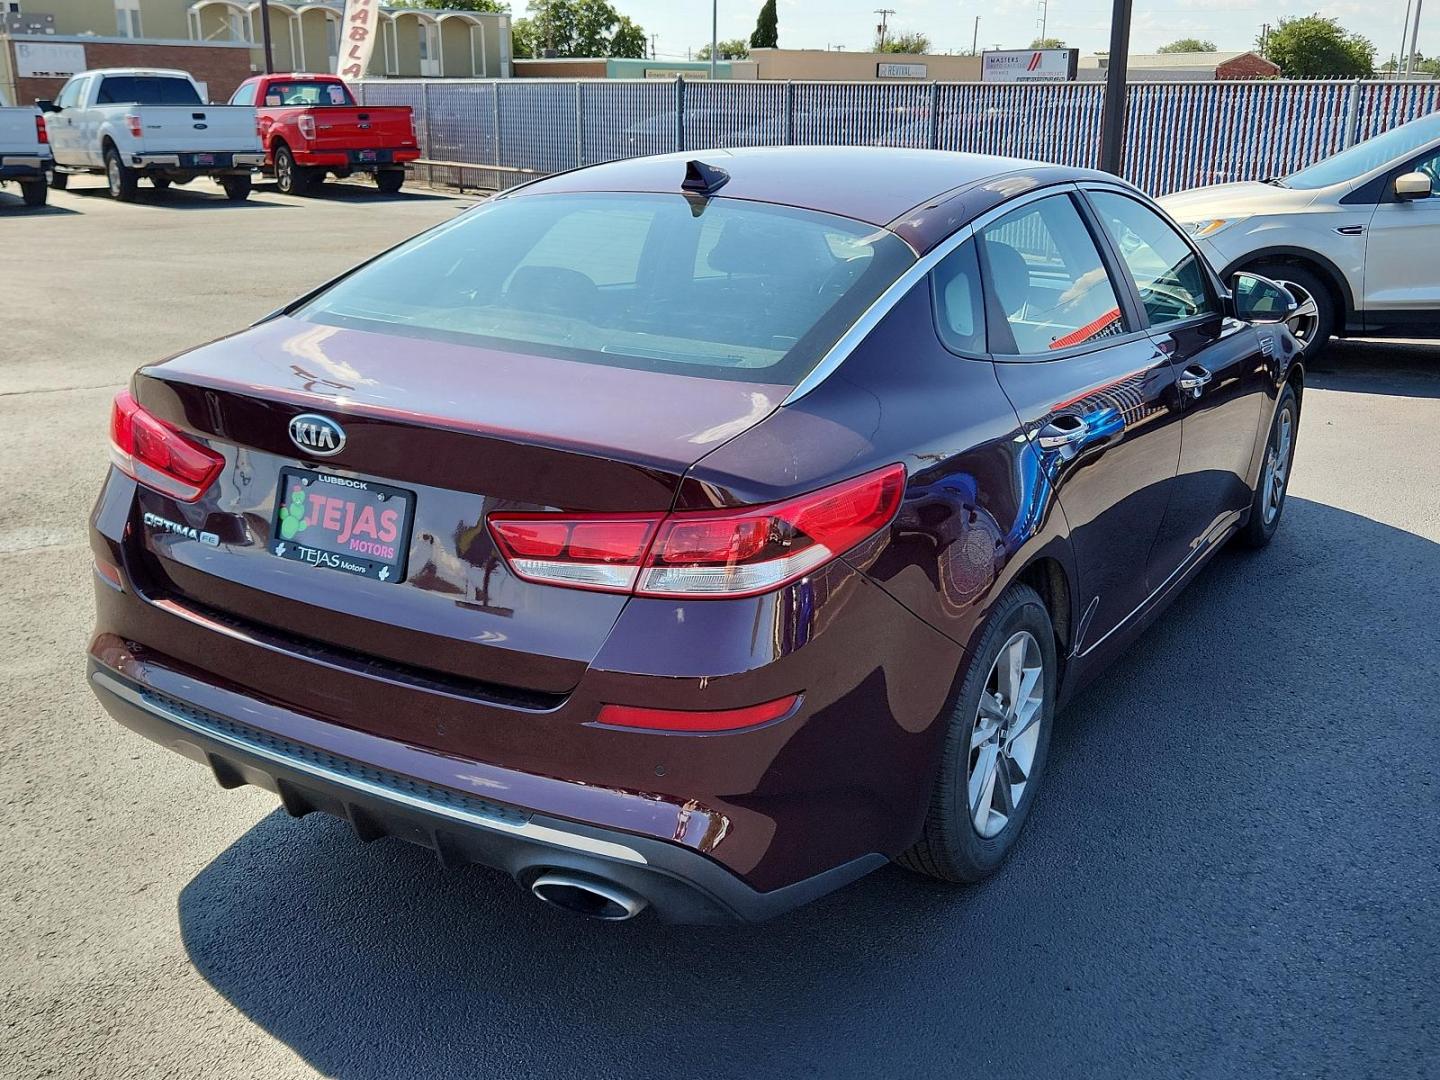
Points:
[(640, 533)]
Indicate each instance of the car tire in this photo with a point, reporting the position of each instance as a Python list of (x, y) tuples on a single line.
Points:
[(1315, 322), (59, 180), (34, 193), (389, 181), (237, 188), (291, 178), (985, 749), (124, 182), (1268, 502)]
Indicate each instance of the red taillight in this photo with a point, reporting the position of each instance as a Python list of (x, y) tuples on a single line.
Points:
[(307, 126), (133, 120), (633, 716), (724, 553), (157, 455), (41, 135)]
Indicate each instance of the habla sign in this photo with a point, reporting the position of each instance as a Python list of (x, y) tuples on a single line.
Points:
[(360, 28)]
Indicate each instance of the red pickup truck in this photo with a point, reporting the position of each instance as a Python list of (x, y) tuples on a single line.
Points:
[(310, 125)]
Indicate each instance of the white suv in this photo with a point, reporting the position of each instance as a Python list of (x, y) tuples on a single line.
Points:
[(1356, 237)]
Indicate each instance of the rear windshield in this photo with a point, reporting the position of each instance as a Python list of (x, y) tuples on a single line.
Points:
[(307, 93), (721, 289), (146, 90)]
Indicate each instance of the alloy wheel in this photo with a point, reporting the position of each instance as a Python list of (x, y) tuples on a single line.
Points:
[(284, 173), (1277, 463), (1005, 734), (1306, 318), (112, 174)]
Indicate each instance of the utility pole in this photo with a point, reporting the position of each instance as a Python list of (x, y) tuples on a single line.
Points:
[(975, 38), (1112, 125), (1265, 40), (652, 45), (1404, 33), (1044, 17), (884, 14), (265, 37), (1414, 39), (714, 36)]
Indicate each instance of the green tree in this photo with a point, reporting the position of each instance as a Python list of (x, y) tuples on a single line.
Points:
[(1047, 43), (734, 49), (574, 28), (1188, 44), (767, 28), (913, 42), (1314, 47)]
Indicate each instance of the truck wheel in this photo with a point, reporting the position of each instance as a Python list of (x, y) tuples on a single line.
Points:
[(34, 193), (390, 180), (290, 178), (237, 188), (123, 181), (59, 180)]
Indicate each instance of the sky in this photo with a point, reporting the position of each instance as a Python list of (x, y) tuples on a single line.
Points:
[(1085, 24)]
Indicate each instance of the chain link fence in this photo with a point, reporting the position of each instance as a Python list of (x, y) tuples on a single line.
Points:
[(485, 133)]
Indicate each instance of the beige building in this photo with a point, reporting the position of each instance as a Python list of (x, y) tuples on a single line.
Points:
[(305, 36), (827, 65)]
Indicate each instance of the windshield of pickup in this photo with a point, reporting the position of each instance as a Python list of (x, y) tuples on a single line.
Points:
[(147, 90), (307, 94), (1367, 156)]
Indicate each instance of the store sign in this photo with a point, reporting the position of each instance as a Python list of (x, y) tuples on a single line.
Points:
[(359, 29), (900, 71), (1029, 65), (48, 60)]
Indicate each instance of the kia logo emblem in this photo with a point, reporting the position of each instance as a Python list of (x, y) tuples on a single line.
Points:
[(317, 435)]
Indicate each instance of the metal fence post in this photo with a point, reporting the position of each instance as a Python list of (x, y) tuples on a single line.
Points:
[(579, 124), (789, 114), (679, 113), (1352, 115), (495, 109), (425, 123), (935, 116)]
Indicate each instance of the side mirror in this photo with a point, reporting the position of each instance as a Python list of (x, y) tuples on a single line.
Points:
[(1412, 185), (1258, 299), (46, 105)]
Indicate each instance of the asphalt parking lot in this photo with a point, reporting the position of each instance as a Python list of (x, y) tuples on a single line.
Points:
[(1234, 869)]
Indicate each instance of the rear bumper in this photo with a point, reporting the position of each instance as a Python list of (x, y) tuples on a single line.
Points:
[(222, 162), (23, 167), (350, 159), (680, 884)]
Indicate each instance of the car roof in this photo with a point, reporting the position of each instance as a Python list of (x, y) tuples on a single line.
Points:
[(917, 193)]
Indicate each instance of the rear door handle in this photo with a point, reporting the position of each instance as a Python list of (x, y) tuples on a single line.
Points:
[(1193, 378), (1063, 431)]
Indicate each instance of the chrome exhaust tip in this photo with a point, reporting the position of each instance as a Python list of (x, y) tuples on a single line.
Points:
[(587, 896)]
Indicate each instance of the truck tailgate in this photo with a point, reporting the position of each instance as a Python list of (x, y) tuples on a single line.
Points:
[(18, 133), (168, 129), (343, 127)]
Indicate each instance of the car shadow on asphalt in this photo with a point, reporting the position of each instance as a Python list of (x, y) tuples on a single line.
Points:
[(177, 198), (14, 204), (359, 192), (1400, 368), (1210, 885)]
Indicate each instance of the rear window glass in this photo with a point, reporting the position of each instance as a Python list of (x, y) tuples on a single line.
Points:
[(721, 289), (146, 90), (307, 94)]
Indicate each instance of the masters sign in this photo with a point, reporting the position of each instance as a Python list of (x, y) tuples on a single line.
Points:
[(1029, 65)]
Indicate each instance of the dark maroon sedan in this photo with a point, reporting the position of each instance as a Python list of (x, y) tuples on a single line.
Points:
[(694, 535)]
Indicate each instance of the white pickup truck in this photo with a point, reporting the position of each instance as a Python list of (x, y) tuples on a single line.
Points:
[(24, 151), (134, 122)]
